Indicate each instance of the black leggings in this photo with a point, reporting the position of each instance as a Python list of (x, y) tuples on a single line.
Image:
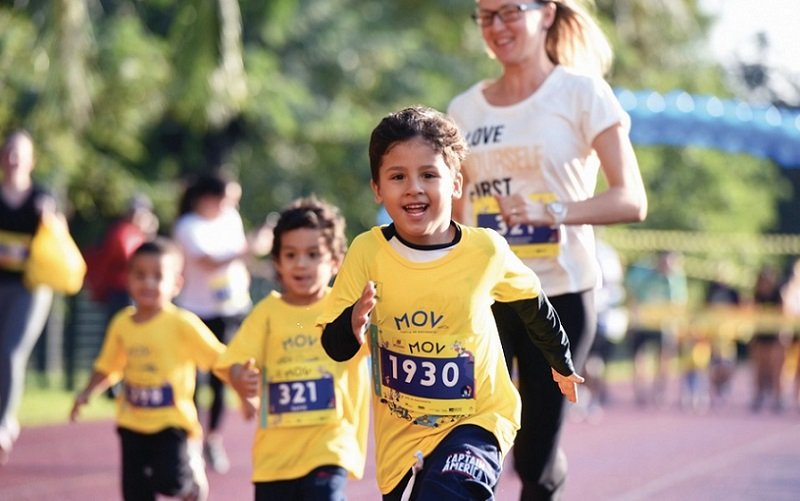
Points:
[(538, 458), (223, 328)]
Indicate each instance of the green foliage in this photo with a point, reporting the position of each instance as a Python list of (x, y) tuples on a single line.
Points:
[(164, 99)]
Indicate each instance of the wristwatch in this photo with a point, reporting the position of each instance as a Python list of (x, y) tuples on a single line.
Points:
[(559, 212)]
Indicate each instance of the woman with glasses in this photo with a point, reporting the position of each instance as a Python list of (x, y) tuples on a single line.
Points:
[(539, 134)]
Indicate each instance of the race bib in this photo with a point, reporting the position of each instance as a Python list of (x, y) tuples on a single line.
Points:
[(149, 396), (221, 289), (433, 375), (527, 241), (301, 401)]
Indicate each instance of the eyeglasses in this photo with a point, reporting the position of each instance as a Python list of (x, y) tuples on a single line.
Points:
[(507, 13)]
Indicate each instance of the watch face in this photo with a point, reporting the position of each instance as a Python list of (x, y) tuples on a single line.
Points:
[(556, 207)]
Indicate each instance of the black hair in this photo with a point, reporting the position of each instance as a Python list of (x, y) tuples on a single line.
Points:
[(313, 213), (432, 126), (158, 246), (203, 185)]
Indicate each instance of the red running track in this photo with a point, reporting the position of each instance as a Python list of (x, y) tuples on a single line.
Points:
[(629, 453)]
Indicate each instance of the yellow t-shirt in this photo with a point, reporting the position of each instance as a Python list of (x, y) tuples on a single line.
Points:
[(314, 411), (437, 361), (157, 362)]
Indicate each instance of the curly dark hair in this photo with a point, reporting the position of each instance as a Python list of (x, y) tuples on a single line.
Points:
[(313, 213), (434, 127)]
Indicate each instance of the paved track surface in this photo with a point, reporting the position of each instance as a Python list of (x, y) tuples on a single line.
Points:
[(628, 453)]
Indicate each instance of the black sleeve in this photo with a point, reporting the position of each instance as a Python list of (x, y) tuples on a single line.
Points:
[(337, 338), (545, 330)]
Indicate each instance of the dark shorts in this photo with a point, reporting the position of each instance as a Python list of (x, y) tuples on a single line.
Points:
[(465, 465), (156, 463), (326, 483)]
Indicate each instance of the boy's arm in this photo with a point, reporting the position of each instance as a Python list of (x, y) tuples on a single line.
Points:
[(343, 337), (246, 380), (98, 382), (338, 339)]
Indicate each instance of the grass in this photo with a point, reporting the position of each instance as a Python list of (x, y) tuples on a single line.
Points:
[(47, 401)]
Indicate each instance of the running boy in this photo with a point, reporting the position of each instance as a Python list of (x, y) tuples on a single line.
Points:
[(314, 412), (446, 411), (155, 349)]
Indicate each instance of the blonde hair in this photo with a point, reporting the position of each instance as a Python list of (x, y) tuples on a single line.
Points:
[(576, 40)]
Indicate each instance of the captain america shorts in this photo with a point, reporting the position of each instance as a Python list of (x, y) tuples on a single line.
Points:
[(466, 465)]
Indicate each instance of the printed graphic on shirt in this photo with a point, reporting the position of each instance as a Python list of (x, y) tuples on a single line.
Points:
[(427, 378), (488, 134), (493, 171), (299, 389), (14, 250)]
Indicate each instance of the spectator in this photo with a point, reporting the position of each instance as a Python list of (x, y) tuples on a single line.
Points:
[(791, 306), (210, 232), (657, 300), (108, 262), (23, 312), (769, 342)]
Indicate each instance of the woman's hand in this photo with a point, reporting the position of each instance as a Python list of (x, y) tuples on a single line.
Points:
[(517, 209)]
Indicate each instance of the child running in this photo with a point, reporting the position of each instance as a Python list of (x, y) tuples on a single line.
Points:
[(446, 411), (155, 349), (313, 412)]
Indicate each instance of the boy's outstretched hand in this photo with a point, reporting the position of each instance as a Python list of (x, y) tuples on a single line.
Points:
[(246, 379), (250, 407), (362, 310), (81, 399), (568, 385)]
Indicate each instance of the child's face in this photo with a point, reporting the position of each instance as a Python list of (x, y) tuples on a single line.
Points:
[(210, 206), (417, 188), (305, 266), (153, 280)]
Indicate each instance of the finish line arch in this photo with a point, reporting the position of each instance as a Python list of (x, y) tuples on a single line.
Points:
[(682, 119)]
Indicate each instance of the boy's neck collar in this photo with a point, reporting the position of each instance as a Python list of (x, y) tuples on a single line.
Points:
[(390, 231)]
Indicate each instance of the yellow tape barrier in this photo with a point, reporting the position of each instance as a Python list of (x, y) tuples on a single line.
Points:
[(725, 322), (701, 242)]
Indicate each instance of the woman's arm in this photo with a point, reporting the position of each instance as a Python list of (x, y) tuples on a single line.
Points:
[(625, 200)]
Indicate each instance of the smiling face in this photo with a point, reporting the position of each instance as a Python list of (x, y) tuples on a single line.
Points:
[(417, 188), (520, 41), (153, 281), (17, 157), (305, 265)]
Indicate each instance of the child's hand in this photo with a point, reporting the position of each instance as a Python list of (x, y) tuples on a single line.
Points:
[(246, 379), (80, 400), (568, 385), (362, 310), (250, 407)]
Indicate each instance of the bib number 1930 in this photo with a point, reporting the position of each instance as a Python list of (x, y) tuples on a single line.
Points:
[(427, 377)]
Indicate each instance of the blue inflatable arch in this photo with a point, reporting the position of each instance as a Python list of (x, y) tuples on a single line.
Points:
[(682, 119)]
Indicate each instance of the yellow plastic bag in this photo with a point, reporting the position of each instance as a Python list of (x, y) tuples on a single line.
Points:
[(55, 260)]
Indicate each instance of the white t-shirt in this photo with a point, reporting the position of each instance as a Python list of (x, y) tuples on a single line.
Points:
[(541, 147), (222, 291)]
